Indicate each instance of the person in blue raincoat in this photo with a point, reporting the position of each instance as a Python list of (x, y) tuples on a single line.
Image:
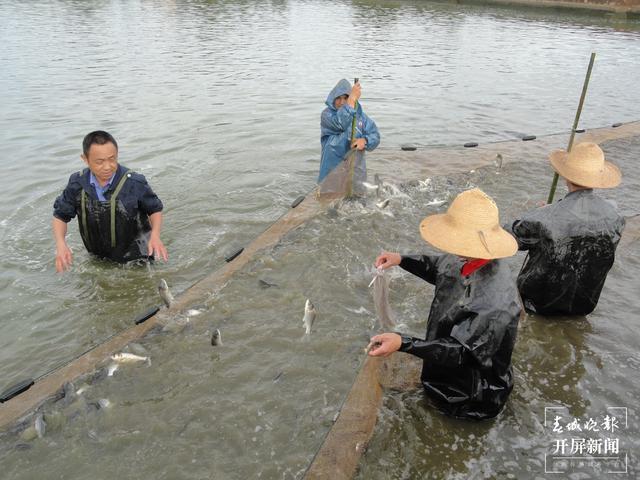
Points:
[(335, 126)]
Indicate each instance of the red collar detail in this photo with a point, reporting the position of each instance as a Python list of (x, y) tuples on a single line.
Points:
[(471, 266)]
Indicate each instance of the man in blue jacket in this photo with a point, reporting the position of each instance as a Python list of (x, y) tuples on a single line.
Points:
[(335, 127), (120, 217)]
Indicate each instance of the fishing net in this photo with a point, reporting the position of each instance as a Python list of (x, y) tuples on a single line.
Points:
[(380, 285), (346, 179)]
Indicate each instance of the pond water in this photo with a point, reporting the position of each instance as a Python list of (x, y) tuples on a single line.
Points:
[(217, 104)]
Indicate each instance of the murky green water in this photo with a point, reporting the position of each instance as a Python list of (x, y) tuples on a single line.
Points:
[(218, 104)]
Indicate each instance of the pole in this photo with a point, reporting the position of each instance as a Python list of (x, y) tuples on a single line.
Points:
[(352, 166), (575, 124)]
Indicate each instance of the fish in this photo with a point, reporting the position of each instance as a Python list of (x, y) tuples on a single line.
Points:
[(265, 284), (68, 393), (83, 388), (498, 160), (435, 203), (165, 293), (192, 312), (104, 403), (40, 425), (383, 204), (111, 369), (309, 316), (380, 285), (424, 184), (216, 338), (129, 358), (369, 186), (371, 346), (379, 186)]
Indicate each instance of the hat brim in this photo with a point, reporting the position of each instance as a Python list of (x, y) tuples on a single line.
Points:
[(608, 177), (442, 233)]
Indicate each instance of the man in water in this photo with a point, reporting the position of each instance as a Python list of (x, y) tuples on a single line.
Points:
[(336, 125), (474, 315), (571, 243), (119, 215)]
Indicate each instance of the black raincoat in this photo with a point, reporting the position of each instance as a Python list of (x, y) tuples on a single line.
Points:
[(126, 238), (471, 333), (571, 246)]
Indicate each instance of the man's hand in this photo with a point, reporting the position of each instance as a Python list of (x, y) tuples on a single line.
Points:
[(156, 247), (64, 257), (359, 143), (387, 260), (384, 344)]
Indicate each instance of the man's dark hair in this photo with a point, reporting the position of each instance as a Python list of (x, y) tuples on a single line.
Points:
[(99, 137)]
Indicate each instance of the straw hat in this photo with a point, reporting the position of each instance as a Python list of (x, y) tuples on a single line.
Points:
[(585, 166), (470, 228)]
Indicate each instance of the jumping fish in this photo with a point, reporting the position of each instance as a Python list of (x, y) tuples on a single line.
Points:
[(383, 204), (165, 293), (309, 316), (216, 337), (379, 186), (40, 425), (129, 358), (369, 186), (380, 284), (111, 369)]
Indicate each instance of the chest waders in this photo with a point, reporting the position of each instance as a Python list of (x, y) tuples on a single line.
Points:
[(98, 217)]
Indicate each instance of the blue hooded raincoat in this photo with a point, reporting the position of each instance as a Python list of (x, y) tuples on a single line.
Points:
[(335, 129)]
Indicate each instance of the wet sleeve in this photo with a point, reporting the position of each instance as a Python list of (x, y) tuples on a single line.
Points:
[(423, 266), (444, 351), (64, 207), (371, 134), (336, 122), (148, 201), (526, 232)]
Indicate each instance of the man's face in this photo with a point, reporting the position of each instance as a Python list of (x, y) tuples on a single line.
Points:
[(340, 101), (102, 161)]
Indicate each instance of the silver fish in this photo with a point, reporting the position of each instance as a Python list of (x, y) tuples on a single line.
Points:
[(40, 425), (129, 358), (83, 388), (383, 204), (165, 293), (111, 369), (216, 338), (380, 284), (309, 316), (379, 186), (371, 346)]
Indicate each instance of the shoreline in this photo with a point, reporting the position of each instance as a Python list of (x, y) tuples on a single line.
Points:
[(618, 9)]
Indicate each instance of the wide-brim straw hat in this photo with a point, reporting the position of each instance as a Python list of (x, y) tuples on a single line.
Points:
[(470, 228), (585, 166)]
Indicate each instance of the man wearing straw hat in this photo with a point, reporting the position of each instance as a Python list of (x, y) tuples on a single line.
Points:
[(474, 315), (571, 243)]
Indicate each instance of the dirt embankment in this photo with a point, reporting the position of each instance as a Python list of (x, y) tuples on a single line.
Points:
[(618, 7)]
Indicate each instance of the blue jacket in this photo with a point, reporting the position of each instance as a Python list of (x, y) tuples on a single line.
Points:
[(335, 130)]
